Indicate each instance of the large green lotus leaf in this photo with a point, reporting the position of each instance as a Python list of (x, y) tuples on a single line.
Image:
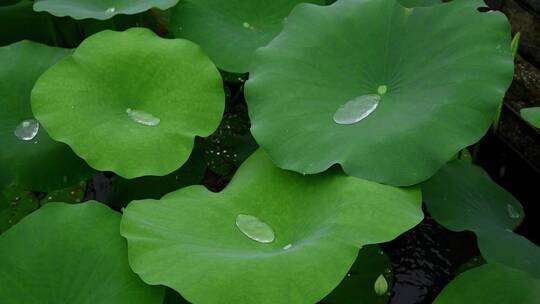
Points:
[(462, 196), (131, 102), (189, 241), (489, 284), (419, 3), (438, 86), (231, 30), (29, 159), (370, 266), (70, 254), (532, 115), (103, 9)]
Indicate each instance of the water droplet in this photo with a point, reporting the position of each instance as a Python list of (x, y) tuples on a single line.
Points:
[(382, 89), (254, 228), (387, 271), (142, 117), (381, 285), (246, 25), (111, 10), (287, 247), (381, 252), (512, 212), (356, 109), (27, 129)]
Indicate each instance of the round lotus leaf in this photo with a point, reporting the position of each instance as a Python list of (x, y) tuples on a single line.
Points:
[(231, 30), (366, 84), (29, 157), (532, 115), (272, 236), (131, 102), (491, 283), (51, 257), (462, 196), (104, 9)]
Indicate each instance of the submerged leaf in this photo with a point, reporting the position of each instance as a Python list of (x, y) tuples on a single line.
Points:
[(190, 236), (88, 101), (442, 86)]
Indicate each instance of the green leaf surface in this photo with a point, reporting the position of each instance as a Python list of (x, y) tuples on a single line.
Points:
[(131, 102), (462, 196), (359, 284), (231, 30), (34, 162), (104, 9), (71, 195), (489, 284), (50, 257), (532, 115), (189, 241), (419, 3), (439, 86)]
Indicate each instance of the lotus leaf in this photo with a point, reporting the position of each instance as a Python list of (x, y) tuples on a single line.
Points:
[(461, 196), (29, 157), (231, 30), (491, 283), (104, 9), (431, 90), (59, 261), (131, 102), (189, 241)]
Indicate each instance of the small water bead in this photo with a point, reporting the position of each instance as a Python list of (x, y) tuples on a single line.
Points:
[(27, 129), (287, 247), (111, 10), (246, 25), (512, 212), (142, 117), (356, 109), (254, 228)]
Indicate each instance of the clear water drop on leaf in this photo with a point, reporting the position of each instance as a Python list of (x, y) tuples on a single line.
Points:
[(142, 117), (111, 10), (381, 285), (287, 247), (27, 129), (356, 109), (246, 25), (512, 212), (382, 89), (254, 228)]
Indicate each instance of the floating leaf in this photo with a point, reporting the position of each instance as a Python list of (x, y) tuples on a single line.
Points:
[(86, 100), (106, 9), (435, 76), (358, 285), (71, 195), (190, 236), (491, 283), (461, 196), (50, 257), (29, 157), (231, 30), (532, 115)]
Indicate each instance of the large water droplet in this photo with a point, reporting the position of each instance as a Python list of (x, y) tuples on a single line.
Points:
[(512, 212), (142, 117), (381, 285), (356, 109), (27, 129), (254, 228)]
